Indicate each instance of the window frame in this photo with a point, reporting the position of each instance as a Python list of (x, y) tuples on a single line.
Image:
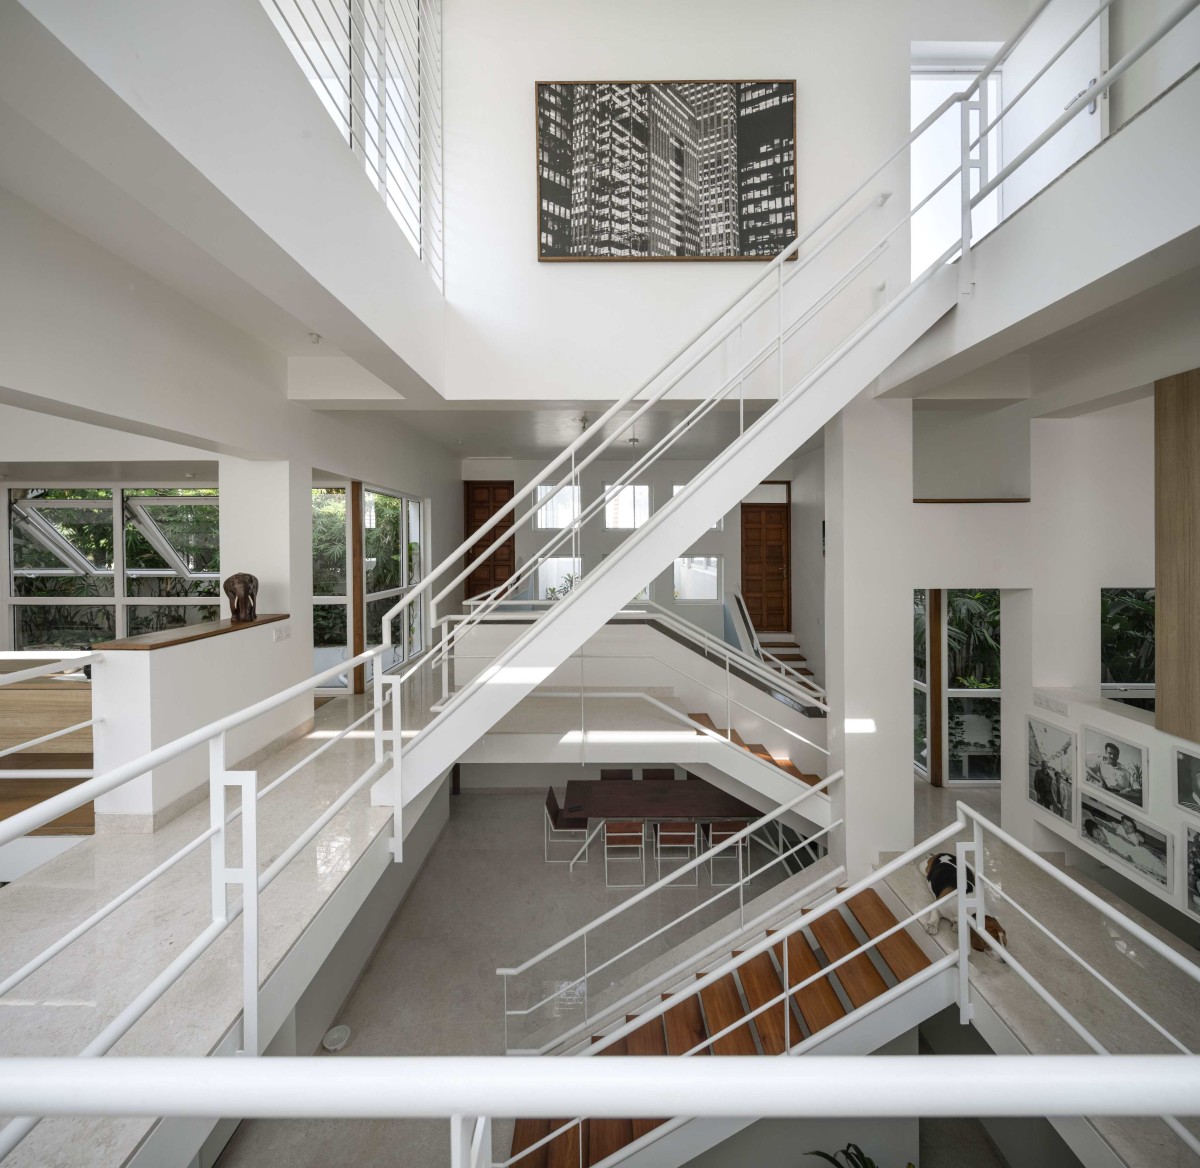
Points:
[(717, 599), (616, 493)]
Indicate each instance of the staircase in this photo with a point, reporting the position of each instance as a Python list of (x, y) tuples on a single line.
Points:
[(720, 1019), (757, 749), (786, 652)]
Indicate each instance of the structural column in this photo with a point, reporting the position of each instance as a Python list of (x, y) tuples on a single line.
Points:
[(869, 648), (1177, 554), (266, 530)]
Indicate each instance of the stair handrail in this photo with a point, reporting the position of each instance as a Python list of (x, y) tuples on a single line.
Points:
[(671, 878), (801, 690)]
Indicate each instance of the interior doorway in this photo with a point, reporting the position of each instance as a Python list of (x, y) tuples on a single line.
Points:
[(481, 500), (767, 557)]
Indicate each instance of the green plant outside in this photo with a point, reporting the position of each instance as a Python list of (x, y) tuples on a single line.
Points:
[(1127, 635)]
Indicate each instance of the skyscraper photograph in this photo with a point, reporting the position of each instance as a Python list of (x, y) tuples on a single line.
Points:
[(666, 170)]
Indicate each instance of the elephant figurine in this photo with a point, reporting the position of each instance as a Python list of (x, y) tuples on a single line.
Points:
[(242, 590)]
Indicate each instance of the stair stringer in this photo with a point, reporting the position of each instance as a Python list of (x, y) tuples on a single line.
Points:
[(670, 531), (905, 1006)]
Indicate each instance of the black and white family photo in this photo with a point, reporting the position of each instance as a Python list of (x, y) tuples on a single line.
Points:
[(1052, 768), (1187, 777), (1134, 842), (1191, 871), (1117, 767), (648, 170)]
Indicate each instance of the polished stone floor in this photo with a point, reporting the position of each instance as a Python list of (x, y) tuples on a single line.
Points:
[(485, 899)]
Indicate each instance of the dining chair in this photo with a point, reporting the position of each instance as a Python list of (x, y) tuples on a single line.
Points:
[(561, 828), (718, 832), (677, 840), (624, 840)]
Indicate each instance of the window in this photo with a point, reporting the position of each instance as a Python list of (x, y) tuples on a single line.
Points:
[(698, 578), (973, 683), (720, 523), (1127, 645), (93, 563), (393, 560), (627, 508), (920, 683), (331, 602), (936, 154), (561, 511), (557, 575)]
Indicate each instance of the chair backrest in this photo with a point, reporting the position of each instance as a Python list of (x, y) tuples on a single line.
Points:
[(723, 829), (552, 808), (616, 774), (658, 773), (677, 833), (622, 833)]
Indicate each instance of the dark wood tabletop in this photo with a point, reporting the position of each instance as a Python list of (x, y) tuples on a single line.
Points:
[(638, 799)]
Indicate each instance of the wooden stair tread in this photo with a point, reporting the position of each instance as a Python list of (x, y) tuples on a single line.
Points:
[(606, 1136), (723, 1007), (761, 983), (684, 1026), (564, 1150), (904, 957), (647, 1039), (818, 1003), (860, 979), (526, 1132), (733, 737), (704, 720), (796, 772)]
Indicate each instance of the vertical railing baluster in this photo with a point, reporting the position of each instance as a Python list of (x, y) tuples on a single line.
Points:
[(779, 274), (964, 935), (397, 777), (966, 274), (248, 781)]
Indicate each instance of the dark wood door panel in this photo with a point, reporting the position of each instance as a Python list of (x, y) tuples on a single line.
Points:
[(481, 500), (766, 565)]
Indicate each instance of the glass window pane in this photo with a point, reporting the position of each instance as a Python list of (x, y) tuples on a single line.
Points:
[(974, 738), (62, 626), (153, 618), (414, 617), (172, 549), (628, 508), (920, 729), (716, 526), (561, 510), (382, 523), (556, 576), (973, 638), (329, 541), (59, 549), (920, 665), (698, 578), (331, 642), (1127, 635), (416, 541), (375, 610)]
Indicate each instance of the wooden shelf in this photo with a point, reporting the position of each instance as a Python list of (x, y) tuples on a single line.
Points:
[(169, 638)]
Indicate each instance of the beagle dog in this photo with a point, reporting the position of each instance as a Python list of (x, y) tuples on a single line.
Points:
[(941, 873)]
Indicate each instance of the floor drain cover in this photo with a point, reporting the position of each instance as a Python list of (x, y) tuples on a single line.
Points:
[(336, 1038)]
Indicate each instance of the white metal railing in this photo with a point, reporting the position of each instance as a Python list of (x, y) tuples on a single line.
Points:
[(245, 876), (732, 339), (66, 662), (791, 684), (592, 965), (376, 66)]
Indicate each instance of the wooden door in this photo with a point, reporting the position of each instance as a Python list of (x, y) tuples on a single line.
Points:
[(766, 566), (481, 500)]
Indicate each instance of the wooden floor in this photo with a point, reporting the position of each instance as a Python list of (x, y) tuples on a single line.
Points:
[(720, 1007)]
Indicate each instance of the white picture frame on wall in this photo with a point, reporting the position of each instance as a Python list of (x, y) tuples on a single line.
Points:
[(1115, 768), (1051, 763), (1191, 870), (1187, 780), (1136, 846)]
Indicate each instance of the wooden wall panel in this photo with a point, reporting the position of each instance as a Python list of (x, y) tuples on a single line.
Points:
[(1177, 554)]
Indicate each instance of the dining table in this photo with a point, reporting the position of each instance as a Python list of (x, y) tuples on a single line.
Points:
[(682, 799)]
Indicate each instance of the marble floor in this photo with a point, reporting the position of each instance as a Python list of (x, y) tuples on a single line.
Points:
[(433, 989), (934, 807)]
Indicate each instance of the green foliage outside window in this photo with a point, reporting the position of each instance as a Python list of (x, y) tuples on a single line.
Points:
[(1127, 635), (973, 638)]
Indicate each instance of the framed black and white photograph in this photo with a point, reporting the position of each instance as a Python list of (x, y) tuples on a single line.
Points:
[(1187, 781), (1052, 768), (1133, 842), (665, 170), (1114, 766), (1191, 872)]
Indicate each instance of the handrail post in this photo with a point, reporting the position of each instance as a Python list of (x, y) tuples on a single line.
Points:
[(966, 262), (395, 779), (962, 907), (585, 979), (779, 274), (787, 987), (461, 1128)]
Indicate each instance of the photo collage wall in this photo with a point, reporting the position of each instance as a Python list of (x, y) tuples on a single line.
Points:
[(1102, 791)]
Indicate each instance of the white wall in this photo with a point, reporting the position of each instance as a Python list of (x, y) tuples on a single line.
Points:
[(963, 450), (808, 558), (1089, 525), (517, 328), (597, 542)]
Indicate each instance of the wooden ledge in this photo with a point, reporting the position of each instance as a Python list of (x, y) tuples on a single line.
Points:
[(971, 500), (168, 638)]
